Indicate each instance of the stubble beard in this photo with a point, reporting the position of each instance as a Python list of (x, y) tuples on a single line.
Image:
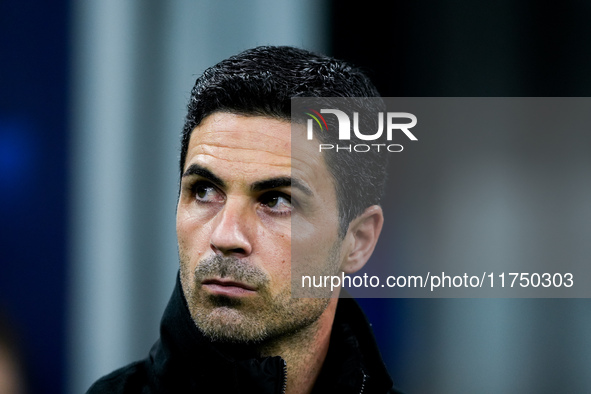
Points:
[(263, 318)]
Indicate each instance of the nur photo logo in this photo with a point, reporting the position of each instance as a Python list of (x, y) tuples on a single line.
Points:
[(392, 123)]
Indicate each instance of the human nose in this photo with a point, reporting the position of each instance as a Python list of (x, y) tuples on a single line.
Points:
[(231, 234)]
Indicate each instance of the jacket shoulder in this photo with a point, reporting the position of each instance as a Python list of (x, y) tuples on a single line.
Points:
[(131, 379)]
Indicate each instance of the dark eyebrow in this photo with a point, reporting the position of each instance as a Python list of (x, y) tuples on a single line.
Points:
[(196, 169), (275, 183)]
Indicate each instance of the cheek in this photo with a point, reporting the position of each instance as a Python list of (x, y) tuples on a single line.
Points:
[(188, 210), (274, 256), (314, 238), (313, 248), (192, 237)]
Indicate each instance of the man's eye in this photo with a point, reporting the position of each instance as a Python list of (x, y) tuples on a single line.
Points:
[(277, 202), (205, 192)]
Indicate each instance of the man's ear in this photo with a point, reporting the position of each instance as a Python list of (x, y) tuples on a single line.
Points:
[(362, 236)]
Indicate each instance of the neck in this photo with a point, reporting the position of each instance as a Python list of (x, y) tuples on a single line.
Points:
[(304, 352)]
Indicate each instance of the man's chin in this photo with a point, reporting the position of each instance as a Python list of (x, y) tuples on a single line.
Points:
[(228, 324)]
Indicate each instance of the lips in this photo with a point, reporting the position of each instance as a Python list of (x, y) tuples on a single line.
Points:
[(229, 288)]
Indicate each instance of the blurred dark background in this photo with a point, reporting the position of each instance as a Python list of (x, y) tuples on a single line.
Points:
[(53, 103), (463, 48), (34, 69)]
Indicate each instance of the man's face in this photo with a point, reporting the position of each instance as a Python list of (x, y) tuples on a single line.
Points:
[(242, 193)]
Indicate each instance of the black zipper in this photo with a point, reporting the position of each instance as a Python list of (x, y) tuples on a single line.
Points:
[(284, 377), (363, 382)]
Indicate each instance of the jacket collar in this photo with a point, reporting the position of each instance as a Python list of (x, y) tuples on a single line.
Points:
[(184, 359)]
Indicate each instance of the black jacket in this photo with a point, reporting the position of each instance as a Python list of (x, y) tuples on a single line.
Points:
[(184, 361)]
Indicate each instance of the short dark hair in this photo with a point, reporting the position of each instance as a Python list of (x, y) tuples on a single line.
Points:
[(261, 82)]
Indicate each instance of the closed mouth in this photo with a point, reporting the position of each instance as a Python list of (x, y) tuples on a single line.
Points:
[(227, 283)]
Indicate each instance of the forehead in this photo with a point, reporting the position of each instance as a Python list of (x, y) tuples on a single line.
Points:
[(245, 139), (252, 145)]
